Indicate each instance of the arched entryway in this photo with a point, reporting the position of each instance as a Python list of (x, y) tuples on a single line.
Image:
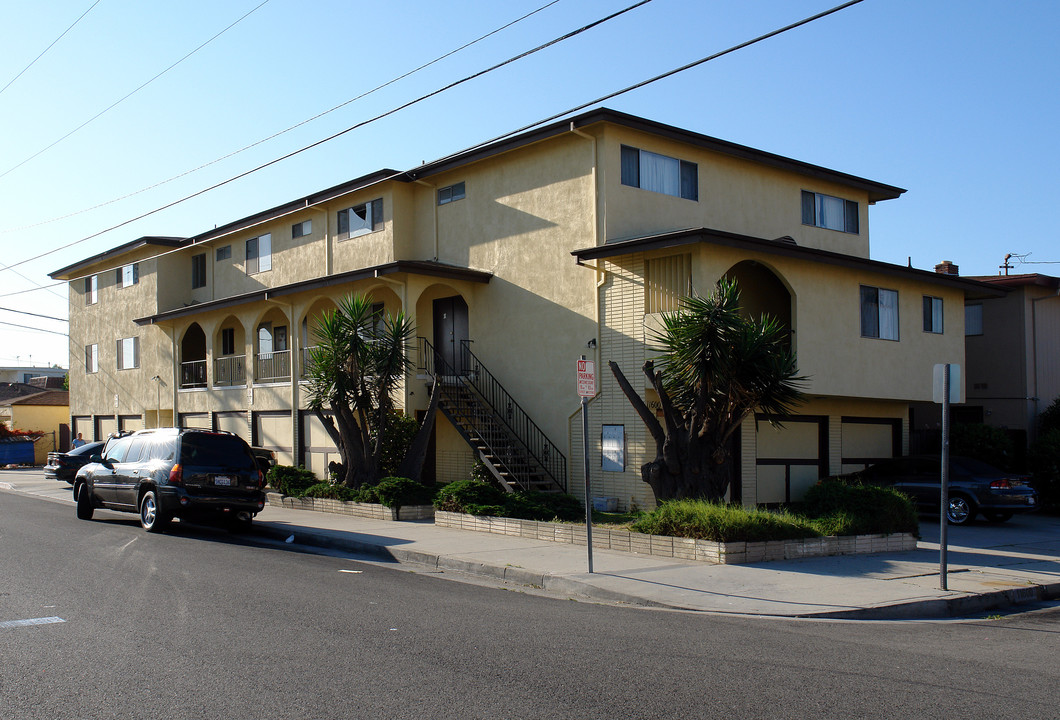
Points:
[(762, 292), (193, 358)]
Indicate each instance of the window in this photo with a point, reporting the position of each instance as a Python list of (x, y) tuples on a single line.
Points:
[(127, 275), (92, 358), (228, 341), (973, 319), (198, 271), (659, 173), (91, 287), (224, 253), (932, 314), (259, 254), (829, 212), (302, 229), (128, 353), (666, 281), (449, 194), (879, 313), (361, 219)]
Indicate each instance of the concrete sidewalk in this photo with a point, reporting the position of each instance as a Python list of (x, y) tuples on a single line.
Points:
[(990, 566)]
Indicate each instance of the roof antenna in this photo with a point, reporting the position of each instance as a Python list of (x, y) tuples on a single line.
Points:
[(1006, 267)]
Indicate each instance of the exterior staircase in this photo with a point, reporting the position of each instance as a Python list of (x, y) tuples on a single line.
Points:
[(508, 443)]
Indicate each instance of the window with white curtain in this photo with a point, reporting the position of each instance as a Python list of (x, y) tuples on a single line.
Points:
[(660, 173), (259, 254), (128, 353), (831, 213), (932, 314), (879, 313)]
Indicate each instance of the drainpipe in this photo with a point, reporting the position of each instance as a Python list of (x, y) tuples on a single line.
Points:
[(1034, 354), (599, 230), (175, 380)]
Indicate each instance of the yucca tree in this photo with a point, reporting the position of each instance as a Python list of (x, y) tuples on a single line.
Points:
[(716, 367), (355, 371)]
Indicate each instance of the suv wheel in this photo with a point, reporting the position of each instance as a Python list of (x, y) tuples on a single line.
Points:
[(151, 517), (83, 496)]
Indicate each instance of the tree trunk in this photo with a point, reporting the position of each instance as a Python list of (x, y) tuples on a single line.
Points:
[(412, 464)]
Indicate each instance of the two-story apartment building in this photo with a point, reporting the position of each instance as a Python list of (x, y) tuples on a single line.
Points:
[(514, 259)]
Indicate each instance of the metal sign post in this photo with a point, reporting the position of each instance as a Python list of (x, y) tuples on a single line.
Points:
[(947, 383), (586, 389)]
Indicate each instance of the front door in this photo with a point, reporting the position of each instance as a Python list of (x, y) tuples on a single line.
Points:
[(450, 329)]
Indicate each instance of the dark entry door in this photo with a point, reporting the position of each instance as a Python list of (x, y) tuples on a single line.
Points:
[(450, 328)]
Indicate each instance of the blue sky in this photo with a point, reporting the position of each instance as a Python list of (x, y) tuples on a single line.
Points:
[(955, 102)]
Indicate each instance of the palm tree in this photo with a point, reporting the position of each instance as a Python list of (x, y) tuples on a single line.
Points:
[(355, 371), (717, 367)]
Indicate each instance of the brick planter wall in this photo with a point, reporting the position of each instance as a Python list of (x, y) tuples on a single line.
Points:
[(371, 511), (730, 553)]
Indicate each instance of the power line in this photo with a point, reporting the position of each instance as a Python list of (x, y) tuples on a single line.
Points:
[(292, 127), (356, 126), (27, 327), (129, 95), (5, 87), (39, 287), (23, 312)]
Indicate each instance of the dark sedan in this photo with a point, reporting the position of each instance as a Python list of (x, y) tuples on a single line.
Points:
[(974, 486), (63, 466)]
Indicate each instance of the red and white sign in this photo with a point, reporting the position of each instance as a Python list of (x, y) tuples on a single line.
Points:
[(586, 378)]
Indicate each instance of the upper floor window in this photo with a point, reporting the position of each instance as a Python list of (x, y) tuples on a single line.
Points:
[(361, 219), (666, 281), (932, 314), (659, 173), (450, 193), (128, 275), (198, 270), (829, 212), (128, 353), (302, 229), (92, 358), (879, 313), (973, 319), (259, 254), (91, 290), (224, 253)]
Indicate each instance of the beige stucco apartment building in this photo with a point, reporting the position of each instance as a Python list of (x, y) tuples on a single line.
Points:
[(514, 259)]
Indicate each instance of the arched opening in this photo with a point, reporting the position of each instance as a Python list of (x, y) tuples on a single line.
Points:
[(309, 337), (230, 354), (193, 358), (762, 293), (272, 362)]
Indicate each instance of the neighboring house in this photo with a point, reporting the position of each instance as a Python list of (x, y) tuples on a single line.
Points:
[(23, 374), (1012, 348), (46, 412), (513, 259)]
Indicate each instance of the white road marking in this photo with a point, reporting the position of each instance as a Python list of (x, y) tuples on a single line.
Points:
[(352, 572), (35, 621)]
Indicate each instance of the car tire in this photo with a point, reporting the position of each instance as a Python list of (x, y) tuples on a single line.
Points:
[(151, 518), (83, 498), (997, 516), (961, 510)]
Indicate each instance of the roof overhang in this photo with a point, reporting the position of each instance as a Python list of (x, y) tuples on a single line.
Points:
[(1022, 280), (411, 267), (66, 272), (972, 289)]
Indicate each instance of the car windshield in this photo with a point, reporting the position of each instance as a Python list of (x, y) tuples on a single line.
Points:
[(203, 449)]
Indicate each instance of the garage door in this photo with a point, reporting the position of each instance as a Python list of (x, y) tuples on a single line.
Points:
[(233, 422), (790, 459), (106, 426), (129, 423), (196, 420), (870, 440), (272, 430), (317, 446), (83, 425)]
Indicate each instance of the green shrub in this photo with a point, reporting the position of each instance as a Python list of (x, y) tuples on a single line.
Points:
[(290, 480), (329, 490), (1045, 465), (481, 498), (366, 494), (722, 523), (459, 495), (990, 444), (1049, 418), (397, 492), (837, 507), (400, 432)]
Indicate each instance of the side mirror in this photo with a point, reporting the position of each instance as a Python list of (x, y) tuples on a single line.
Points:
[(95, 458)]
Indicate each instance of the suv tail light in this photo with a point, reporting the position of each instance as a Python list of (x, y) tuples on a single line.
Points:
[(176, 475), (261, 479)]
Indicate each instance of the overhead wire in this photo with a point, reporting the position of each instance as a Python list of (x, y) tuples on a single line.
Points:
[(138, 89), (28, 327), (288, 129), (23, 312), (34, 61)]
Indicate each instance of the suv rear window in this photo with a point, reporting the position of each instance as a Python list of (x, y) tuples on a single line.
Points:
[(201, 449)]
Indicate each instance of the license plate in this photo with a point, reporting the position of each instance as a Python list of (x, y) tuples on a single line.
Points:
[(222, 480)]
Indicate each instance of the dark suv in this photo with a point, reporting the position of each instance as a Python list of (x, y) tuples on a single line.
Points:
[(173, 472)]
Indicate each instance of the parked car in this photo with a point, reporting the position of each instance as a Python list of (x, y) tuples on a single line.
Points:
[(974, 486), (173, 472), (64, 465)]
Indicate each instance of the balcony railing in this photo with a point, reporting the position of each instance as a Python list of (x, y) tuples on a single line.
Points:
[(193, 374), (307, 359), (229, 371), (273, 366)]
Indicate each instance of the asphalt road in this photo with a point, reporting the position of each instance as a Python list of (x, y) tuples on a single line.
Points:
[(198, 624)]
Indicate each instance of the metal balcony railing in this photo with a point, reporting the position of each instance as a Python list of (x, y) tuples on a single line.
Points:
[(307, 360), (273, 366), (193, 374), (230, 370)]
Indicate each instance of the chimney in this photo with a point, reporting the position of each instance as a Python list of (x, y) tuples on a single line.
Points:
[(946, 267)]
